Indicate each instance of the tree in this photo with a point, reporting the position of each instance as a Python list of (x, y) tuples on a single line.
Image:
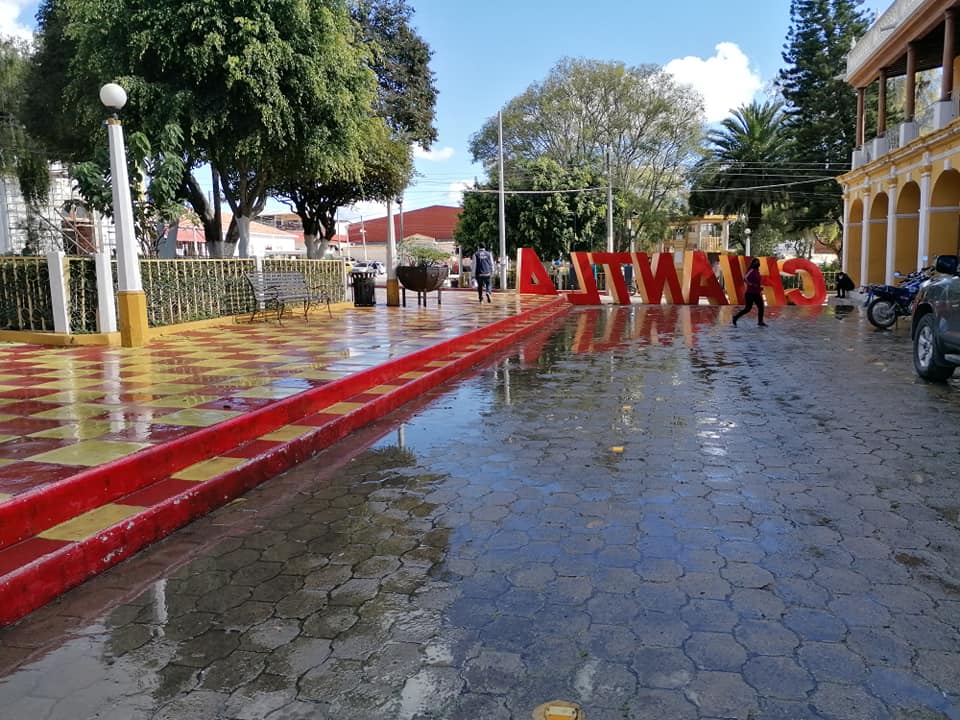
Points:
[(20, 154), (553, 223), (650, 125), (158, 170), (257, 88), (821, 108), (404, 109), (742, 169)]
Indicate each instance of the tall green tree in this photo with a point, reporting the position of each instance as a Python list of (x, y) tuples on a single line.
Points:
[(257, 88), (403, 115), (742, 169), (821, 107), (648, 124), (542, 216)]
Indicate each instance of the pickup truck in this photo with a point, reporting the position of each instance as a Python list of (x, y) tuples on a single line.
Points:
[(936, 322)]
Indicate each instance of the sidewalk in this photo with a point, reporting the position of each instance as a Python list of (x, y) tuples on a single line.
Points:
[(105, 450)]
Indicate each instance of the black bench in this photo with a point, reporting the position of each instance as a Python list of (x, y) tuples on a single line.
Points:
[(273, 290)]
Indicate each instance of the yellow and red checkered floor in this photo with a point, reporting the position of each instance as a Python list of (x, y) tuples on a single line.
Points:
[(67, 414)]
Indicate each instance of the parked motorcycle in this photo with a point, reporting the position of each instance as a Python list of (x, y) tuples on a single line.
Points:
[(886, 303)]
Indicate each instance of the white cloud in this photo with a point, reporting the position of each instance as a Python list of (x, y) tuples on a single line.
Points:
[(725, 80), (441, 155), (10, 21), (455, 191)]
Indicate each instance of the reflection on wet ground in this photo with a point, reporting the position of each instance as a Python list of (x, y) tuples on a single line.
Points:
[(648, 512)]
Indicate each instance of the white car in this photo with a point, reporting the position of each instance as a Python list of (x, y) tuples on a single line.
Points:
[(374, 265)]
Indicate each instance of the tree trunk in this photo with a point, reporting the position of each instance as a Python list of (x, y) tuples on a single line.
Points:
[(243, 229), (217, 211), (167, 247)]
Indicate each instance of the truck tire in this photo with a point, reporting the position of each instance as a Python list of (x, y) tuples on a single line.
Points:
[(927, 360)]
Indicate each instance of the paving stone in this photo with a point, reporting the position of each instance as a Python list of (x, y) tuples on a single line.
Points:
[(715, 651), (778, 677), (847, 701), (832, 662), (723, 695), (765, 638)]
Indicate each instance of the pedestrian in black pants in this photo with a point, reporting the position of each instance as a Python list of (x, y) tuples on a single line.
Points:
[(845, 284), (754, 294), (483, 271)]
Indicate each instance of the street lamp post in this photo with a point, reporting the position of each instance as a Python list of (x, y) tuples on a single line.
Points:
[(131, 300), (747, 233)]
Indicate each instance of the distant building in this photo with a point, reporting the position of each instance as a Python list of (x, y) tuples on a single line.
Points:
[(709, 233), (265, 240), (60, 224), (291, 222), (436, 223)]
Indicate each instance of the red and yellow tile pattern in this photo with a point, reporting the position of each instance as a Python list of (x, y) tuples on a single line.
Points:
[(69, 415)]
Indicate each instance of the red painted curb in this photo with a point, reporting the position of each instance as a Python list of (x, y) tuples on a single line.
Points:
[(37, 510), (40, 581)]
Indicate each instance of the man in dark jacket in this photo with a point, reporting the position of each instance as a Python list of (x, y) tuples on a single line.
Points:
[(845, 284), (483, 271)]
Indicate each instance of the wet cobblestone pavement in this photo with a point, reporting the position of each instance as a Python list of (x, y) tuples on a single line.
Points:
[(649, 513)]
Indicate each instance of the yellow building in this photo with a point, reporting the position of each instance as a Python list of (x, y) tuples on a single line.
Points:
[(902, 195), (709, 233)]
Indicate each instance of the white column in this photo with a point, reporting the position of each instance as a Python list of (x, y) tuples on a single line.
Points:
[(128, 262), (59, 298), (865, 239), (844, 250), (891, 258), (106, 298), (391, 244), (923, 245)]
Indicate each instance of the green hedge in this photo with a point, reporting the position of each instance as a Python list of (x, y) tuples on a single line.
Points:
[(25, 294)]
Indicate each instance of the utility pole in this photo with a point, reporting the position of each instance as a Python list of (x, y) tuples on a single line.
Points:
[(609, 205), (393, 285), (400, 205), (503, 212)]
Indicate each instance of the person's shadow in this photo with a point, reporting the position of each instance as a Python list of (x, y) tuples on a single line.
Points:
[(841, 311)]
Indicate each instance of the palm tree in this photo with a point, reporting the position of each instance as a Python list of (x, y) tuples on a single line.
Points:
[(742, 169)]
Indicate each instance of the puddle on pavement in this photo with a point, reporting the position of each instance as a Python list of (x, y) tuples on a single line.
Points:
[(489, 551)]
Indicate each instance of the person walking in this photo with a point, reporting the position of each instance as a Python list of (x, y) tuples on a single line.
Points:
[(754, 294), (483, 271)]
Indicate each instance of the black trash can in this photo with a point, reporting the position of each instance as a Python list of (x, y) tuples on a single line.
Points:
[(364, 287)]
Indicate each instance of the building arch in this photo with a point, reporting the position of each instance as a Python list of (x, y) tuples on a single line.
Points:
[(908, 228), (945, 215), (854, 239), (876, 244)]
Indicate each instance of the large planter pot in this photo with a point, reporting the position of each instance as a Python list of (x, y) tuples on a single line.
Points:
[(422, 278)]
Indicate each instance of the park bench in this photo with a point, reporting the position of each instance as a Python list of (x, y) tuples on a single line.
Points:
[(273, 290)]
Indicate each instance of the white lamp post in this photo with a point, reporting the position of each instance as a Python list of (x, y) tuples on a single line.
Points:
[(747, 233), (131, 299)]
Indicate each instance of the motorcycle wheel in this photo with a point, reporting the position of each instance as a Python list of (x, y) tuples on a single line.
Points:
[(882, 313)]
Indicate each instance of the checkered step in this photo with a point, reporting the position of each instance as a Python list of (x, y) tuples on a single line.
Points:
[(181, 486)]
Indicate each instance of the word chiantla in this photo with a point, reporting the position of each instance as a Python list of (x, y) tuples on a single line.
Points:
[(656, 277)]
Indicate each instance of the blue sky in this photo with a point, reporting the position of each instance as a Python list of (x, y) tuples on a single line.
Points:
[(486, 53)]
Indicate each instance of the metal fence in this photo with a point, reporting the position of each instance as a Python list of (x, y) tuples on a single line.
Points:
[(177, 291), (25, 300)]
